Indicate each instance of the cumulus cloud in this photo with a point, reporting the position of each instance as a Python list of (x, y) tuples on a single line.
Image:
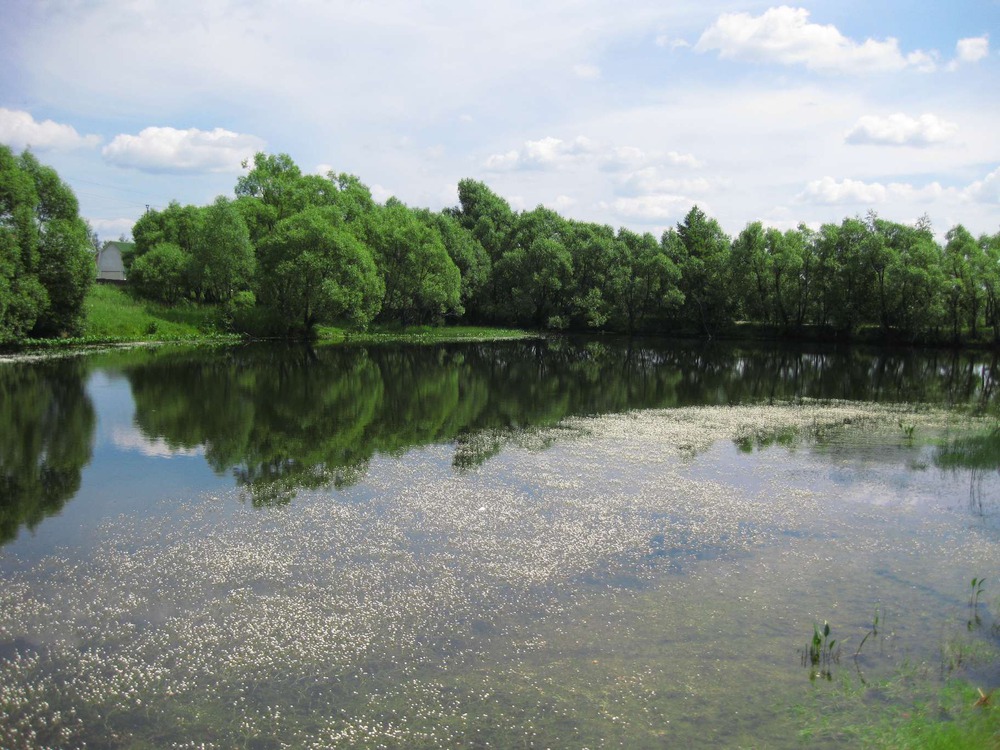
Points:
[(970, 50), (19, 130), (784, 35), (901, 130), (829, 191), (555, 153), (165, 149), (546, 153), (986, 190)]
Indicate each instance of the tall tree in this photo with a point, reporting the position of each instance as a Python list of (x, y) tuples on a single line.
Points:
[(963, 259), (701, 250), (536, 272), (642, 280), (46, 264), (312, 270), (223, 260), (420, 280)]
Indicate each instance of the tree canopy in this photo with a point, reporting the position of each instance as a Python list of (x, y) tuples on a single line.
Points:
[(46, 258)]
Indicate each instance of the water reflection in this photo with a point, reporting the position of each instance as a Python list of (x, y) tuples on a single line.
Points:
[(46, 434), (278, 419)]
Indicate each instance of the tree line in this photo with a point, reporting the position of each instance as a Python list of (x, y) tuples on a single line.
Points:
[(291, 251)]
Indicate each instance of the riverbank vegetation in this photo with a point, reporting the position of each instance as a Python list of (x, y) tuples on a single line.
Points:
[(293, 252)]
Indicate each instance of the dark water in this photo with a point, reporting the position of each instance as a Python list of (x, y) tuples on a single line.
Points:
[(488, 544)]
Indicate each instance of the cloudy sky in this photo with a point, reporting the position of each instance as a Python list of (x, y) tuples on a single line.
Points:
[(625, 112)]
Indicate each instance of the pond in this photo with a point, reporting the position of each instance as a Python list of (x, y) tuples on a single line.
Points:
[(552, 543)]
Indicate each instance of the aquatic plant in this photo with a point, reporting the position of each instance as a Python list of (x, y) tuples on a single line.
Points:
[(977, 590), (908, 429), (821, 652), (873, 631)]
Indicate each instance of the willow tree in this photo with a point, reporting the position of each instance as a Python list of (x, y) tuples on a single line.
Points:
[(312, 270), (46, 259)]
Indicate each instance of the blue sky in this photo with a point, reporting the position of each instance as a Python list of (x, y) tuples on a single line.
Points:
[(624, 112)]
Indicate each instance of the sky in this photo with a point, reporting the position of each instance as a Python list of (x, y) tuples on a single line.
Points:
[(623, 112)]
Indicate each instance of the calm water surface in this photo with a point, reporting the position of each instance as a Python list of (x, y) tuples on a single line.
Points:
[(531, 544)]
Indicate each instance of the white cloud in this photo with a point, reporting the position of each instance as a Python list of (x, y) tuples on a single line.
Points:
[(555, 153), (828, 191), (784, 35), (663, 40), (661, 207), (587, 72), (165, 149), (986, 190), (651, 180), (19, 130), (972, 49), (901, 130), (561, 203), (543, 154), (380, 194)]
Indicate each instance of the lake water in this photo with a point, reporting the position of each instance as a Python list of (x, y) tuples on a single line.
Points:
[(559, 543)]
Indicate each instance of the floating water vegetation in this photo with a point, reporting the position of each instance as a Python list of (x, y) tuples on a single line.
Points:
[(603, 582)]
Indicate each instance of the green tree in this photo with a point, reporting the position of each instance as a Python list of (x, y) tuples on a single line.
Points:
[(312, 270), (910, 281), (465, 251), (642, 280), (594, 250), (223, 259), (420, 280), (989, 274), (752, 273), (701, 250), (161, 273), (536, 272), (46, 265), (963, 260), (487, 215), (275, 181)]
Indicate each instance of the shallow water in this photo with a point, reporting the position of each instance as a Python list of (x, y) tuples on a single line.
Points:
[(393, 548)]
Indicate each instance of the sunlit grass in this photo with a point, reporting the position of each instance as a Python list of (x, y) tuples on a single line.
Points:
[(422, 334), (113, 313)]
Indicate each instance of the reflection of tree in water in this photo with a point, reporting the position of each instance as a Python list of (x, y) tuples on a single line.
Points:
[(285, 418), (47, 428), (980, 455)]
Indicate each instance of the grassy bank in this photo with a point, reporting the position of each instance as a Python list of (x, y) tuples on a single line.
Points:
[(114, 316)]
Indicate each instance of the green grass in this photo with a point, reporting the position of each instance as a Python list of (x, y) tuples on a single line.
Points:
[(112, 314), (419, 334)]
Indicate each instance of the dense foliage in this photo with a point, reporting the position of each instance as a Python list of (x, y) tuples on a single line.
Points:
[(310, 250), (293, 251), (46, 259)]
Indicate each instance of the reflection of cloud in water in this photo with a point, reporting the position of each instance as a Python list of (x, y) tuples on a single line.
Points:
[(131, 439)]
